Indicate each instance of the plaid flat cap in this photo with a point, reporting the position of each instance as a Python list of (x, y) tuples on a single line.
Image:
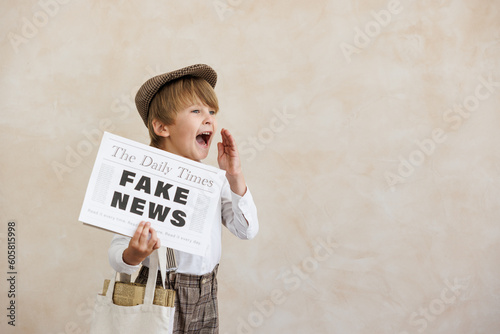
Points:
[(148, 90)]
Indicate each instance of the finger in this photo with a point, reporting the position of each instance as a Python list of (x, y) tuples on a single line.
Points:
[(220, 149), (145, 234), (223, 135), (138, 231), (226, 135), (229, 139), (153, 240)]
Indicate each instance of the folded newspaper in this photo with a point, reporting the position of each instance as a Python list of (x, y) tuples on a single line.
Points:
[(131, 294)]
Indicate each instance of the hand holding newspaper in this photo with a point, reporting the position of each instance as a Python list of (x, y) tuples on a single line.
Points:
[(131, 182)]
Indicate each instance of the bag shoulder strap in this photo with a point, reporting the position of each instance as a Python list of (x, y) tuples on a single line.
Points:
[(153, 273), (162, 254)]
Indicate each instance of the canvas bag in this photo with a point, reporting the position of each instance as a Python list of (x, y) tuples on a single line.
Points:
[(144, 318)]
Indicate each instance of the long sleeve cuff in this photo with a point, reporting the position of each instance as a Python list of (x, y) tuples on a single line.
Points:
[(115, 255), (245, 215)]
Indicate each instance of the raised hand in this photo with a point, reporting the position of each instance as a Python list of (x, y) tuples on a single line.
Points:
[(141, 245), (228, 156), (229, 160)]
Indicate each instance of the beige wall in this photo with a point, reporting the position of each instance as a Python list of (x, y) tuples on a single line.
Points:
[(378, 191)]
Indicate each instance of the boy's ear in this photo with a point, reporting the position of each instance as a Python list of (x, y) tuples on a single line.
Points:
[(160, 128)]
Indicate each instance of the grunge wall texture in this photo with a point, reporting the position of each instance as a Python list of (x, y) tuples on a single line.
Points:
[(368, 132)]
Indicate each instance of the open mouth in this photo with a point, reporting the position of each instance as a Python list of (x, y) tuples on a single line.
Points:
[(203, 138)]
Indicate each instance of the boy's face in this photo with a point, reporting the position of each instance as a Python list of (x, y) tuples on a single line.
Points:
[(191, 134)]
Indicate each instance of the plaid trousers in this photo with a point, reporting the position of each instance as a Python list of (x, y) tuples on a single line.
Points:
[(196, 308)]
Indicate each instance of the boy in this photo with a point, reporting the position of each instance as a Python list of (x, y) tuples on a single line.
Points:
[(179, 110)]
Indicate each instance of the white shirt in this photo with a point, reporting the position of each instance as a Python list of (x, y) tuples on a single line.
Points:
[(237, 213)]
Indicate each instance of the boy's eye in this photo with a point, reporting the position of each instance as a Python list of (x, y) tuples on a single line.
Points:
[(212, 112), (196, 111)]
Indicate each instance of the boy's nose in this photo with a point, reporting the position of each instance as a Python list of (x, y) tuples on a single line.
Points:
[(209, 119)]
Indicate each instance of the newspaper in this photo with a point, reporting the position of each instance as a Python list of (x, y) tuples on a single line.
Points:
[(132, 182), (131, 294)]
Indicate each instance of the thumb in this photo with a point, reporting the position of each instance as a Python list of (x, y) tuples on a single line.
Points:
[(220, 149)]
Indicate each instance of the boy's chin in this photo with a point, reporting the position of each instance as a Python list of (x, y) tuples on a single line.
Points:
[(202, 155)]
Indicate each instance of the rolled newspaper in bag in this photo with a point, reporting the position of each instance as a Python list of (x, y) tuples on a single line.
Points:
[(131, 294)]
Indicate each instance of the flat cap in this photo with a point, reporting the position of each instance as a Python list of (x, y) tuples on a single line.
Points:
[(148, 90)]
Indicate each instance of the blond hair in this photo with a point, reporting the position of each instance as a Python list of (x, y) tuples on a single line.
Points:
[(175, 96)]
